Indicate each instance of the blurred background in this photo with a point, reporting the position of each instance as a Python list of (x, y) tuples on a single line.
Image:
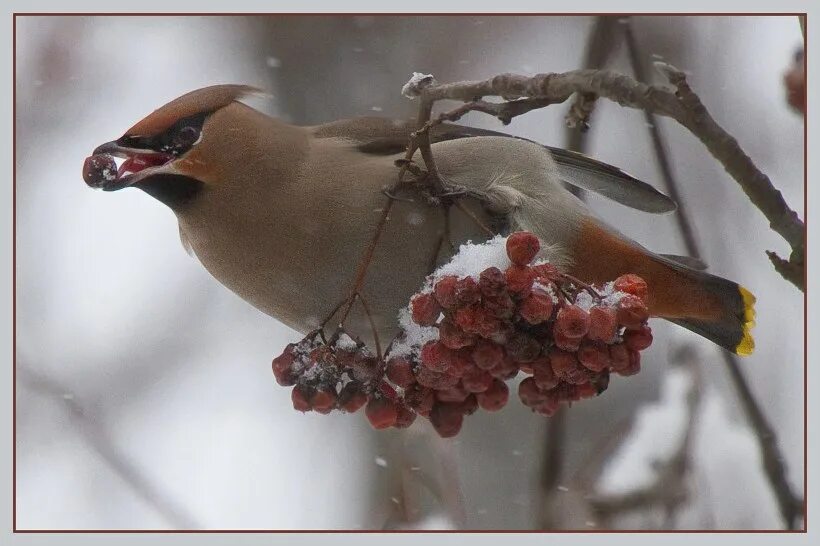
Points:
[(144, 393)]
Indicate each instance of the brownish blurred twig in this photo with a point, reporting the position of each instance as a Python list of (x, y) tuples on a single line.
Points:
[(669, 490)]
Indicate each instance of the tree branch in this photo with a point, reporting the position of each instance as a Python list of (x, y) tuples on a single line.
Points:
[(684, 106)]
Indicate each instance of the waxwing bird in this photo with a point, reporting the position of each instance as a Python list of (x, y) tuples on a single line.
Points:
[(282, 214)]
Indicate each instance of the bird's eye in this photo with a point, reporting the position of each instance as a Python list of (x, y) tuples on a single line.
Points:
[(185, 137)]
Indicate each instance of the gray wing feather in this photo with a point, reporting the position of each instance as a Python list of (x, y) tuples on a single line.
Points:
[(611, 182), (381, 136)]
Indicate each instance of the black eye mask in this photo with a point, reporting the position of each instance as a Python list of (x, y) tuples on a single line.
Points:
[(175, 141)]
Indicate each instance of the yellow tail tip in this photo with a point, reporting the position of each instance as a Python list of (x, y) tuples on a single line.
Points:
[(747, 343)]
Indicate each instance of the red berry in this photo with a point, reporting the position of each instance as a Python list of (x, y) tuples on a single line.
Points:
[(572, 321), (632, 312), (523, 348), (567, 368), (525, 367), (537, 307), (594, 356), (519, 279), (447, 419), (619, 355), (300, 396), (345, 358), (321, 355), (544, 376), (529, 393), (387, 391), (487, 354), (469, 405), (600, 381), (323, 400), (351, 397), (424, 309), (477, 380), (454, 337), (366, 367), (381, 412), (445, 291), (460, 362), (476, 320), (281, 366), (99, 169), (639, 339), (491, 282), (564, 392), (456, 393), (546, 273), (603, 324), (522, 246), (586, 390), (420, 398), (435, 356), (632, 284), (404, 417), (399, 370), (435, 380), (565, 343), (502, 334), (507, 369), (633, 365), (467, 291), (500, 306), (495, 397), (548, 407)]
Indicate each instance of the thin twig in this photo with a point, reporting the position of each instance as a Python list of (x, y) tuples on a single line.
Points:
[(790, 505), (460, 206), (685, 226), (669, 489), (372, 325), (364, 264), (581, 284), (552, 470)]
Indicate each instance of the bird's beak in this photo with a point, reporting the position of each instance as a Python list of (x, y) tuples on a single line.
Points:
[(139, 164)]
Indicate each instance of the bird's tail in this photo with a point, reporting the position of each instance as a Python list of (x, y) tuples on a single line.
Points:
[(730, 327), (715, 308)]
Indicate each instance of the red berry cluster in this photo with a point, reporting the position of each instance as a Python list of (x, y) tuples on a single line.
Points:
[(340, 373), (567, 336)]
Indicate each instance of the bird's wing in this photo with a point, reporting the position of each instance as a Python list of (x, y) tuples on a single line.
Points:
[(382, 136)]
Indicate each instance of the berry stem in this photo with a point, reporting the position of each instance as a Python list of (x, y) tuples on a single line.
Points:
[(473, 217), (372, 326), (583, 285), (367, 259)]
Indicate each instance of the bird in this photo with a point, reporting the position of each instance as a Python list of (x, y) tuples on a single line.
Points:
[(283, 215)]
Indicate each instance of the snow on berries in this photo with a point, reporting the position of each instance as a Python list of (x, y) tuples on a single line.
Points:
[(479, 321)]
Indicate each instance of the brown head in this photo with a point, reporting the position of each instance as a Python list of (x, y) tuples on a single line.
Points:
[(169, 153)]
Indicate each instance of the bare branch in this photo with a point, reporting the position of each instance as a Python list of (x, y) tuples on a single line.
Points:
[(684, 106)]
